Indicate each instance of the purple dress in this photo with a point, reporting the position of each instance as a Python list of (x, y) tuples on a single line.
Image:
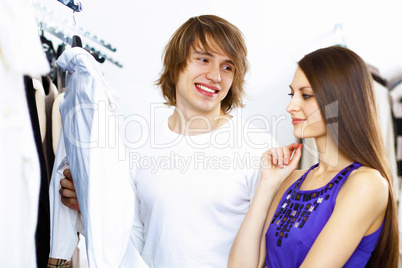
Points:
[(299, 219)]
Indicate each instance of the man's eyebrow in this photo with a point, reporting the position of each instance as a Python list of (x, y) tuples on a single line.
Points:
[(206, 53)]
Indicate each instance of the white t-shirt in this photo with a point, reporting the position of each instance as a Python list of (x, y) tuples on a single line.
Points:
[(193, 192)]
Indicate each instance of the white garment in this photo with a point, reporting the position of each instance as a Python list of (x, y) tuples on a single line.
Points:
[(396, 96), (20, 53), (384, 103), (193, 192), (99, 167), (40, 97)]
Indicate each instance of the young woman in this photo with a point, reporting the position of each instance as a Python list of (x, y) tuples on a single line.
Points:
[(341, 212)]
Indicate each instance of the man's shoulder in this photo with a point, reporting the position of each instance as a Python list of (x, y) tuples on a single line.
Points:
[(254, 135)]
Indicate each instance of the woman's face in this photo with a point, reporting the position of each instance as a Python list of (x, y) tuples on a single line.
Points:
[(304, 110)]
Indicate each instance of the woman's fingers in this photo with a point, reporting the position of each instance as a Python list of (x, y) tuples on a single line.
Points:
[(280, 156), (288, 151), (266, 160), (296, 156)]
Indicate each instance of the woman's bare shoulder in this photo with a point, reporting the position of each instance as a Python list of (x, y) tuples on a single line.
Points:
[(367, 184)]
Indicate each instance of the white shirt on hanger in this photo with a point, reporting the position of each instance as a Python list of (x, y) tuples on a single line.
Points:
[(90, 141), (20, 53)]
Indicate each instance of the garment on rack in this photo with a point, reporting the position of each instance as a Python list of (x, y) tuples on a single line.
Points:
[(20, 53), (394, 79), (396, 96), (40, 106), (56, 122), (90, 141), (51, 93), (42, 235), (310, 152)]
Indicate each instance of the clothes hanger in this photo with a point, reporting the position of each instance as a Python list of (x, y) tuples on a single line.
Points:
[(48, 49), (77, 7), (76, 41), (339, 35)]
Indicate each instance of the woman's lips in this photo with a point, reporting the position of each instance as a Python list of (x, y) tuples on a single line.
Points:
[(296, 121)]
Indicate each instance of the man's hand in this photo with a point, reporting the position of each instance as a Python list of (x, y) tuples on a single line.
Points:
[(67, 191)]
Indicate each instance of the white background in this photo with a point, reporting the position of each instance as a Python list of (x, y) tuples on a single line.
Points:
[(277, 33)]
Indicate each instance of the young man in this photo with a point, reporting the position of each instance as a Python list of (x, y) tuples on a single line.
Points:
[(195, 178)]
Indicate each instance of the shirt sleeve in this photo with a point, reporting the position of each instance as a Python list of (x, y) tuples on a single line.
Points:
[(137, 233), (266, 141)]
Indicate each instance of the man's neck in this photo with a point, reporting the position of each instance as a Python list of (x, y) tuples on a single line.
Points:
[(191, 124)]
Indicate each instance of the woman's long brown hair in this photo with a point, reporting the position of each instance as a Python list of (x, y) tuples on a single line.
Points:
[(345, 94)]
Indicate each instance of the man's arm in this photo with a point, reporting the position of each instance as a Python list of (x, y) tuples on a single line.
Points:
[(69, 199)]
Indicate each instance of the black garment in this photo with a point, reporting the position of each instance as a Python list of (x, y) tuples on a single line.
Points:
[(42, 236), (48, 141)]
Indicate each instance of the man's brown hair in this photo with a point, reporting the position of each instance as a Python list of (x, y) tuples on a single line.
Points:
[(201, 31)]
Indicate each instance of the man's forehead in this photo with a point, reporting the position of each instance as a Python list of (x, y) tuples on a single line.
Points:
[(210, 46)]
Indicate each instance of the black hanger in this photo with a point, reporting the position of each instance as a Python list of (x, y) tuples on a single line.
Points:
[(96, 54), (49, 50), (76, 42)]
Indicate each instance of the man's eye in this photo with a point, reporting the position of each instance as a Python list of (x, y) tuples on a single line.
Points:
[(229, 68)]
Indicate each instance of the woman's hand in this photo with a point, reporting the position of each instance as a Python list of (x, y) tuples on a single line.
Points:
[(248, 248), (278, 163)]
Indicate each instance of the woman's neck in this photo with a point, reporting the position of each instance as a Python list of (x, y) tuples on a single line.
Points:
[(331, 157)]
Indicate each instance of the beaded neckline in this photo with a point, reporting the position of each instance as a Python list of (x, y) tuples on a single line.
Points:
[(296, 206), (335, 180)]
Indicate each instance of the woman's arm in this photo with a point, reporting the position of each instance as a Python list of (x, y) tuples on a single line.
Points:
[(276, 166), (359, 211)]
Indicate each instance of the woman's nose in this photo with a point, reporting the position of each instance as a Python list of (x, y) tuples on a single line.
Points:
[(294, 105)]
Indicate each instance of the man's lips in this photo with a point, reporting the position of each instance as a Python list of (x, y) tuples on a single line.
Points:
[(207, 89)]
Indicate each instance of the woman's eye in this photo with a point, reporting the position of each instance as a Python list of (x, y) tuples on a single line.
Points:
[(290, 94), (307, 96), (203, 60)]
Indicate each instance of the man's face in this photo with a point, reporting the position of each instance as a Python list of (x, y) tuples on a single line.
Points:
[(205, 81)]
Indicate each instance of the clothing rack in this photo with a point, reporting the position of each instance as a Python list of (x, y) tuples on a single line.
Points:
[(70, 3), (63, 29), (68, 40)]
